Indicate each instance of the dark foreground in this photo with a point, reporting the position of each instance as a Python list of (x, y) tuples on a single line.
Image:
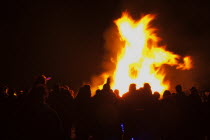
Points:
[(42, 113)]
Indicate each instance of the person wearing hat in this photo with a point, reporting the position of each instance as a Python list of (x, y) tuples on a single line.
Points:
[(42, 79)]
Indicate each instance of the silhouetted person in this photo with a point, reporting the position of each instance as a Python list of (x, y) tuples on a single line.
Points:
[(106, 115), (133, 113), (194, 115), (132, 88), (11, 93), (150, 114), (83, 110), (155, 111), (3, 93), (168, 116), (166, 94), (147, 89), (42, 79), (183, 113), (4, 112), (35, 120), (117, 93), (11, 101), (156, 96), (61, 100), (179, 91)]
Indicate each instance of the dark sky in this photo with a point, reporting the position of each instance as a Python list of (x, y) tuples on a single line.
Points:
[(64, 38)]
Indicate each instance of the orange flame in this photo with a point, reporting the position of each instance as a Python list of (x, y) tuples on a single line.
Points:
[(141, 59)]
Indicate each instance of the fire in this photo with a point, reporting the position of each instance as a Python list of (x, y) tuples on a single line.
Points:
[(141, 59)]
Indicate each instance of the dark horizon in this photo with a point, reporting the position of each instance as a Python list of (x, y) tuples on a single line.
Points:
[(65, 39)]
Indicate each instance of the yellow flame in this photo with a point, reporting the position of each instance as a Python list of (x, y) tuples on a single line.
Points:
[(141, 58)]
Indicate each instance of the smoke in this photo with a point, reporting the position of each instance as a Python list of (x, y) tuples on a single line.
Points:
[(112, 47)]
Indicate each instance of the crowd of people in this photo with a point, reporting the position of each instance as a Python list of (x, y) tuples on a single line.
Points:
[(42, 113)]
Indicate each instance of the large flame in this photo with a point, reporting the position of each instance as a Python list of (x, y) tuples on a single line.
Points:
[(141, 59)]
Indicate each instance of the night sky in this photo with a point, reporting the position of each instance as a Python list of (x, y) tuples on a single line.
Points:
[(64, 39)]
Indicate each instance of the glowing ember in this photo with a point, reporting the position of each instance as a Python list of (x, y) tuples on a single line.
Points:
[(141, 59)]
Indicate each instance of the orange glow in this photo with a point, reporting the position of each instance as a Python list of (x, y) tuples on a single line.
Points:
[(141, 59)]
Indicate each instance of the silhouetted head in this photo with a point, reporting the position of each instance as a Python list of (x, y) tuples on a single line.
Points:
[(66, 91), (41, 80), (56, 88), (11, 92), (166, 93), (193, 90), (84, 93), (106, 87), (156, 95), (3, 90), (141, 89), (87, 90), (147, 86), (98, 92), (147, 89), (117, 92), (132, 88), (178, 88), (39, 93)]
